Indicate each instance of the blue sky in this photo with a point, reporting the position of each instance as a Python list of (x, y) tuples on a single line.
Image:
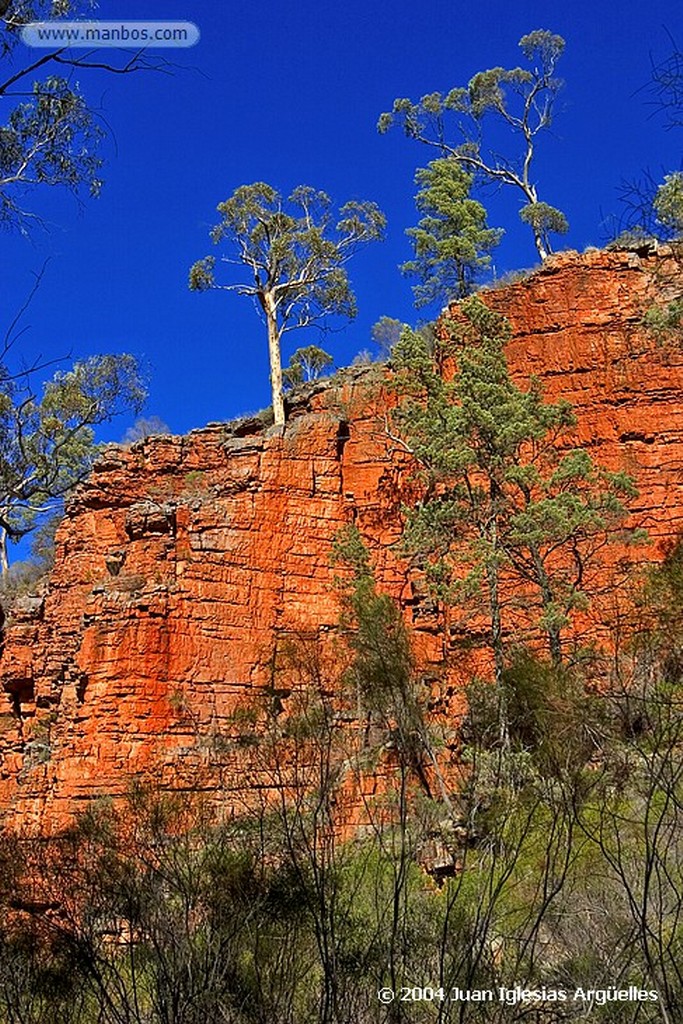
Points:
[(290, 94)]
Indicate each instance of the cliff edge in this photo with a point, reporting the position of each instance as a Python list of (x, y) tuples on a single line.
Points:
[(183, 561)]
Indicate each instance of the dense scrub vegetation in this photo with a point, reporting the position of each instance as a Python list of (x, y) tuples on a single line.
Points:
[(552, 859)]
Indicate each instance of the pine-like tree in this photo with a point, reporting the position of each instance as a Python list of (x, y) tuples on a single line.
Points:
[(500, 502), (452, 241)]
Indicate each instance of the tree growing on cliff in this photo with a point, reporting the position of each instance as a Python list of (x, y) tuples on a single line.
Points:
[(47, 442), (522, 99), (385, 333), (306, 364), (668, 203), (145, 426), (499, 503), (293, 256), (452, 241)]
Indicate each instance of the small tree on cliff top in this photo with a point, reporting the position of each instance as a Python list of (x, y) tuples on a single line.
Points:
[(295, 256), (452, 241), (522, 99), (306, 364)]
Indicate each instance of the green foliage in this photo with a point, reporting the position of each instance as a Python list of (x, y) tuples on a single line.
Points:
[(664, 587), (668, 203), (664, 318), (545, 220), (452, 241), (382, 673), (51, 136), (558, 860), (498, 497), (306, 364), (659, 637), (665, 323), (632, 818), (47, 443), (48, 139), (385, 333), (551, 715), (382, 668), (298, 254), (554, 726), (294, 257), (25, 578), (521, 98), (43, 542)]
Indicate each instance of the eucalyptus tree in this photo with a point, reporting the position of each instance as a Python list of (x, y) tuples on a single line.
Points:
[(523, 99), (307, 364), (668, 203), (49, 133), (47, 441), (292, 257)]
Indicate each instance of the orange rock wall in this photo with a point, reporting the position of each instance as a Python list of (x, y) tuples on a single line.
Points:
[(185, 562)]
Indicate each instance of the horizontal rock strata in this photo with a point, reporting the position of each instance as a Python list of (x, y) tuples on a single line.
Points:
[(185, 563)]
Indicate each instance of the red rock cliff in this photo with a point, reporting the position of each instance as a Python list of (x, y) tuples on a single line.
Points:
[(183, 561)]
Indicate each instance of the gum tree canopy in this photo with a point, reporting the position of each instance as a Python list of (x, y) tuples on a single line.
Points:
[(49, 135), (47, 442), (522, 99), (292, 257)]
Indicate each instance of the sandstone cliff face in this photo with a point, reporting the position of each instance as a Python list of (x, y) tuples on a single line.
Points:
[(183, 563)]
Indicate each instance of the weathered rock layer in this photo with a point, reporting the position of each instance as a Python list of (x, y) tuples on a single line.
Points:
[(183, 562)]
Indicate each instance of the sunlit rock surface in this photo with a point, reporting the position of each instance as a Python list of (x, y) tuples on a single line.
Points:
[(185, 563)]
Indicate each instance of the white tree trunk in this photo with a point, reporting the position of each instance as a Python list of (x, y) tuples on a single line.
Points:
[(4, 560), (275, 360), (543, 251)]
